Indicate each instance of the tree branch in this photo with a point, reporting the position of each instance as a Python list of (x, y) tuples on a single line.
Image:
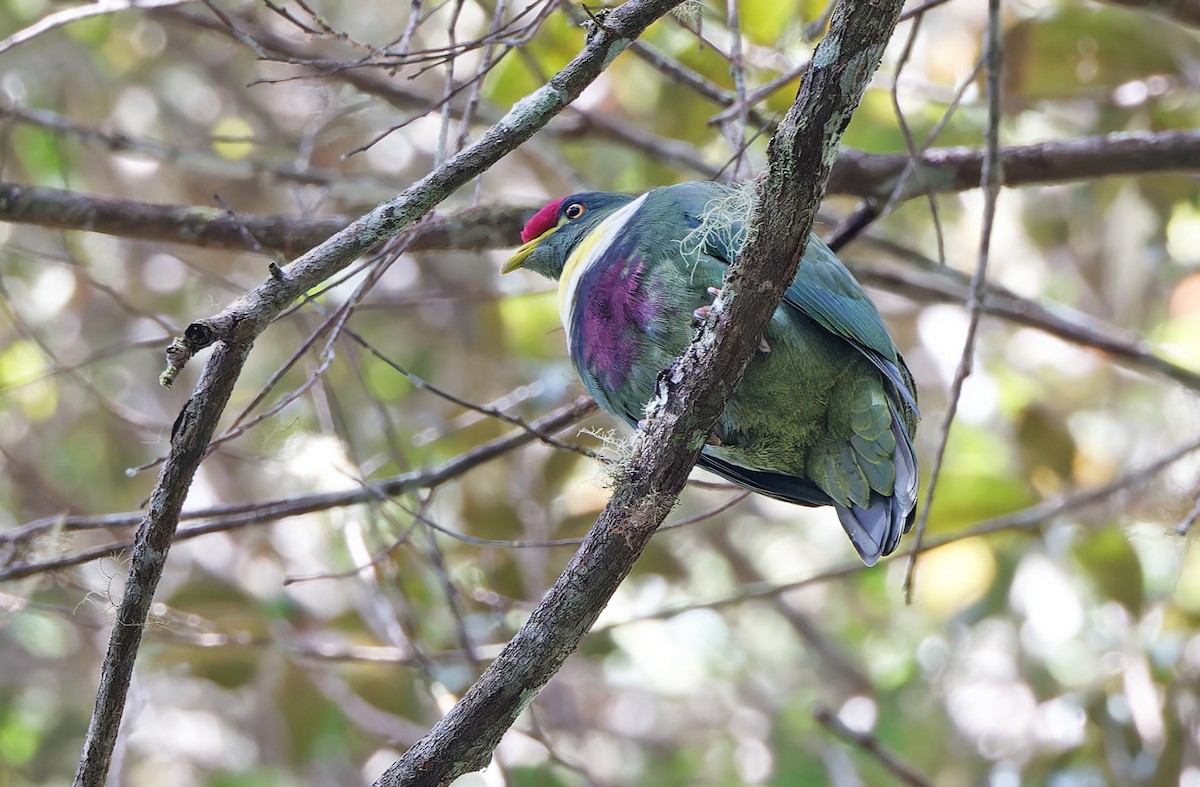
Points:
[(69, 15), (189, 439), (960, 169), (1033, 517), (855, 173), (948, 286), (1185, 11), (870, 744), (227, 517), (690, 397), (236, 328)]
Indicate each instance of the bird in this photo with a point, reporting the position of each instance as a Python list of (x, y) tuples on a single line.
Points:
[(826, 412)]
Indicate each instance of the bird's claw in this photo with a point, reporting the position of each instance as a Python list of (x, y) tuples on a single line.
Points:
[(700, 315), (712, 439)]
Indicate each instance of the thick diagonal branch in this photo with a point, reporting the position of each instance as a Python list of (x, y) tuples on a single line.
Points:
[(691, 395)]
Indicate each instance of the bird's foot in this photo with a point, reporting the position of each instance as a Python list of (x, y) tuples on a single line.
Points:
[(712, 439), (701, 314)]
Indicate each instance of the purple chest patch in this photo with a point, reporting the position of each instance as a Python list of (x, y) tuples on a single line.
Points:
[(613, 311)]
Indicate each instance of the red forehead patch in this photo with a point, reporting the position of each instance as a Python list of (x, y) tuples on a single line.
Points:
[(541, 221)]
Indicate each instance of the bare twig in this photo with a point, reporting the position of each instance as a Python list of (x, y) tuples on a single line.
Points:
[(69, 15), (132, 417), (480, 228), (949, 286), (202, 634), (1035, 516), (960, 169), (232, 517), (1189, 518), (185, 157), (835, 664), (869, 744), (991, 179), (735, 121), (293, 505), (189, 440), (855, 173)]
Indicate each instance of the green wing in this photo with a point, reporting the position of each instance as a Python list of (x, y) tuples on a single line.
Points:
[(823, 289), (872, 476)]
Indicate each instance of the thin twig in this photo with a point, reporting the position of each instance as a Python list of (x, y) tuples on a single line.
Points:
[(1189, 518), (991, 180), (228, 517), (855, 173), (188, 441), (69, 15), (949, 286), (871, 745), (1036, 516)]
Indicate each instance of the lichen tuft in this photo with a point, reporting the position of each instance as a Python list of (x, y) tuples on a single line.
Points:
[(723, 224)]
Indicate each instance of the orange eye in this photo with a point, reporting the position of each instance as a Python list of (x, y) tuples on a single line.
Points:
[(574, 211)]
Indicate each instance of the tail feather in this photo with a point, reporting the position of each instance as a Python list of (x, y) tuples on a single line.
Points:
[(875, 530), (788, 488)]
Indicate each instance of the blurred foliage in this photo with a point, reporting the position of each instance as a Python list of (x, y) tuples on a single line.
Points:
[(314, 649)]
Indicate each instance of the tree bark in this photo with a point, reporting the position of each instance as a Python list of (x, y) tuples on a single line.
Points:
[(690, 397), (855, 173)]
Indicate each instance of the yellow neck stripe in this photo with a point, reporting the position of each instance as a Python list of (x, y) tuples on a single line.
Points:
[(590, 249)]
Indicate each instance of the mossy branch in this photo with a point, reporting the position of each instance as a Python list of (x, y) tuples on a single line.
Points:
[(690, 397)]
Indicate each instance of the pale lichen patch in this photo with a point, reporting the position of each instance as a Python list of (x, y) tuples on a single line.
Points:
[(723, 224)]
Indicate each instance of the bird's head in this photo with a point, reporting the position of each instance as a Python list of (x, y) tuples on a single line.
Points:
[(554, 231)]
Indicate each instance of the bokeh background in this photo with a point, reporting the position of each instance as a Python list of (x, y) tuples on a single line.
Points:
[(1052, 637)]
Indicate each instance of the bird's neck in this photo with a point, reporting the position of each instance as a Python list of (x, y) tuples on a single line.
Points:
[(587, 252)]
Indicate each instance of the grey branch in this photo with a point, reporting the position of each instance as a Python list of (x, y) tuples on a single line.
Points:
[(855, 173), (1185, 11), (69, 15), (1033, 517), (890, 762), (228, 517), (235, 329), (210, 227), (933, 284), (959, 169), (947, 286), (691, 395), (189, 440)]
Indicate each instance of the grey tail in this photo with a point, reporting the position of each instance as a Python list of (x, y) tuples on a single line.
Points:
[(875, 530)]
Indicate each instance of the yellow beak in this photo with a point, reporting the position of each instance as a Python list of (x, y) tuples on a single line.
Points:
[(522, 254)]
